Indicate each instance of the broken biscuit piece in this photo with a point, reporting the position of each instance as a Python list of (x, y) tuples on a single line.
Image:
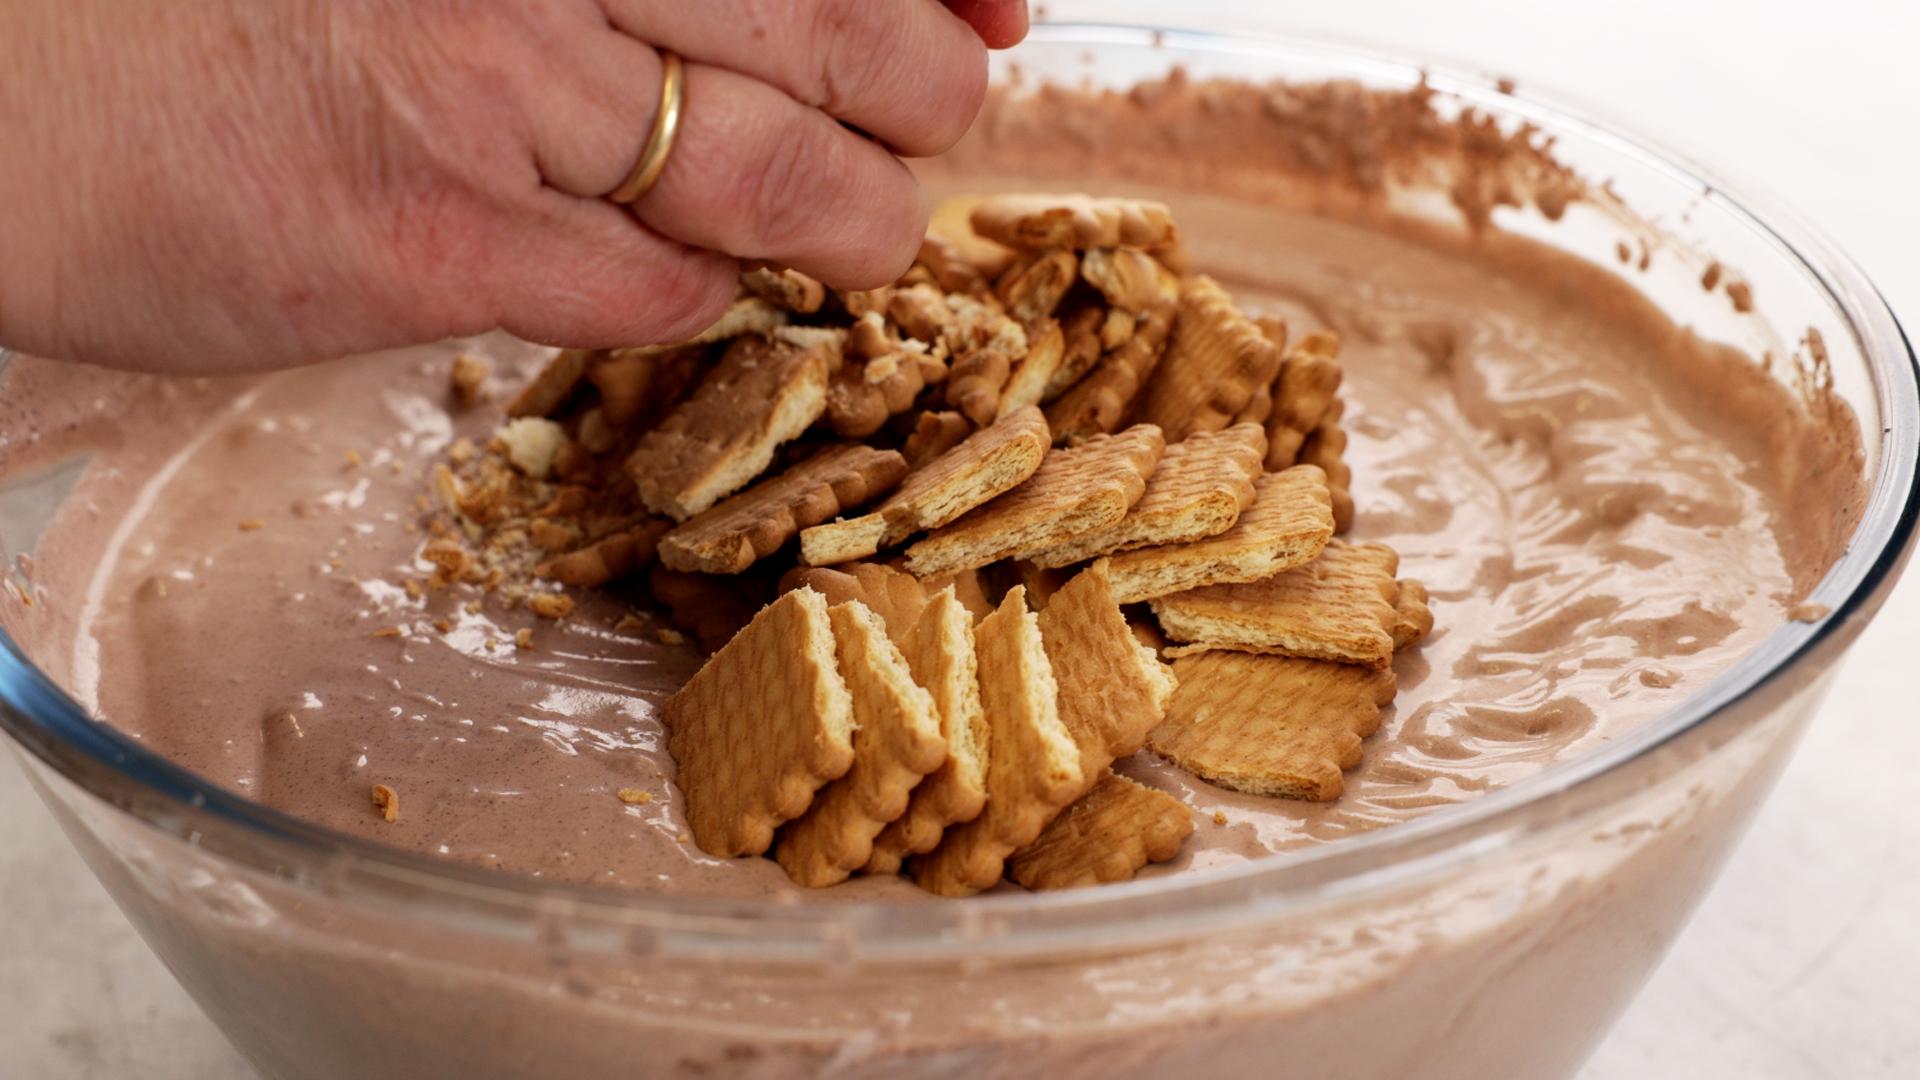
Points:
[(896, 742), (986, 464), (1412, 618), (789, 290), (1216, 361), (761, 726), (1107, 836), (1198, 490), (609, 558), (896, 596), (1339, 607), (1040, 222), (1306, 388), (1098, 402), (1075, 492), (762, 393), (745, 528), (1113, 690), (1033, 767), (1288, 524), (935, 433), (1326, 447), (1271, 725), (1131, 281), (1046, 351), (712, 609), (940, 652)]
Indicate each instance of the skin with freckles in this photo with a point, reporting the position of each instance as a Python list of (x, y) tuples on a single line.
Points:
[(226, 185)]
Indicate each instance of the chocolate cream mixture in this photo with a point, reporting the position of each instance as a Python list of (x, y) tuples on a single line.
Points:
[(1607, 511)]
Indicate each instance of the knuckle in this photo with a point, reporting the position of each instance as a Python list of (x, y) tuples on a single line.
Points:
[(784, 190)]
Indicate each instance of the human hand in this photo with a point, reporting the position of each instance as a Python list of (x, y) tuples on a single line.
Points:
[(227, 185)]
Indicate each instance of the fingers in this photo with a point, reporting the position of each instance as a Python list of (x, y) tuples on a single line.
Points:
[(753, 174), (583, 273), (907, 72), (1002, 24)]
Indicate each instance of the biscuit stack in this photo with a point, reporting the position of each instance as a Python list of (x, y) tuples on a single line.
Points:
[(973, 493)]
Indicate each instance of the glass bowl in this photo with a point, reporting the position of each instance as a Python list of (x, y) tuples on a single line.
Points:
[(1497, 937)]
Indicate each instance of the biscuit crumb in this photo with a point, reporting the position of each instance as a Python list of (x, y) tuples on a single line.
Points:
[(523, 638), (630, 624), (252, 523), (386, 802), (473, 607), (388, 631), (667, 635), (633, 796), (1219, 817), (492, 644), (468, 379), (444, 625), (351, 460), (550, 605), (415, 588), (461, 451)]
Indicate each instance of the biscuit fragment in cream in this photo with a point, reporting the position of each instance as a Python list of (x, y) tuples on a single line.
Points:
[(761, 394), (1033, 767), (745, 528), (1098, 402), (1338, 607), (1108, 835), (1075, 491), (1198, 490), (896, 742), (1217, 359), (986, 464), (940, 652), (532, 443), (1288, 524), (1113, 690), (713, 609), (1073, 222), (1412, 618), (1271, 725), (761, 727)]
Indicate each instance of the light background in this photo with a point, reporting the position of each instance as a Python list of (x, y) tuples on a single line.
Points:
[(1805, 960)]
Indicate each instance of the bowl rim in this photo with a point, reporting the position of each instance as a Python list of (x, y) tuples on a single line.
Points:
[(123, 772)]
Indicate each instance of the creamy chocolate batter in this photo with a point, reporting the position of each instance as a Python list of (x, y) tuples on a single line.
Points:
[(1607, 512)]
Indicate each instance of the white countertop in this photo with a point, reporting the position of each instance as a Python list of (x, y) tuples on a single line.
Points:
[(1804, 961)]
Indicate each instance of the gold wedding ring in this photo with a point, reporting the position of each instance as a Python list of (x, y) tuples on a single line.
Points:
[(666, 125)]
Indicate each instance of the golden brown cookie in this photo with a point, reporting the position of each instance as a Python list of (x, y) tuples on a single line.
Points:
[(764, 724), (1271, 725), (1074, 492), (896, 596), (1046, 351), (1306, 388), (935, 433), (1040, 222), (1339, 607), (1288, 524), (1033, 767), (940, 652), (1216, 360), (991, 461), (1035, 284), (753, 524), (1327, 448), (1412, 618), (1108, 835), (1198, 490), (761, 394), (610, 558), (896, 742), (789, 290), (1098, 402), (1131, 281), (1113, 691)]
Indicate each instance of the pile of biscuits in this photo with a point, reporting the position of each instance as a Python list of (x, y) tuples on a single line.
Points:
[(942, 539)]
